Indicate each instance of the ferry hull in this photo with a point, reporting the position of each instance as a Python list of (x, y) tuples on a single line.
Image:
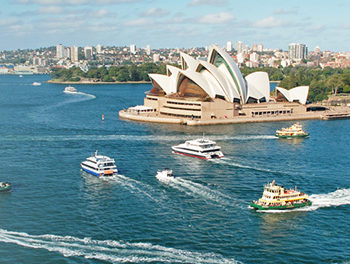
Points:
[(6, 188), (197, 156), (281, 207), (96, 173), (292, 136)]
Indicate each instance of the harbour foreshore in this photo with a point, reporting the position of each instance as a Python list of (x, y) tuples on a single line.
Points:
[(156, 118), (95, 82)]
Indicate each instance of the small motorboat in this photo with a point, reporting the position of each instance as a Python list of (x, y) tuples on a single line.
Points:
[(5, 187), (36, 83), (276, 197), (165, 175), (70, 90)]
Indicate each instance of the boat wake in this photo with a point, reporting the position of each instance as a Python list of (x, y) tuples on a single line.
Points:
[(134, 186), (333, 199), (228, 161), (109, 250), (85, 94), (198, 190)]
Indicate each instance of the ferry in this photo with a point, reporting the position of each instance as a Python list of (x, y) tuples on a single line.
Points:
[(294, 131), (199, 148), (164, 175), (276, 197), (99, 165), (70, 90), (5, 187), (36, 83)]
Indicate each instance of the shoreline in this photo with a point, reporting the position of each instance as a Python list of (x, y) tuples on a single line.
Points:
[(93, 82)]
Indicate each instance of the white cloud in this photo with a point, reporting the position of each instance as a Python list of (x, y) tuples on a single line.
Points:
[(207, 2), (282, 11), (155, 11), (139, 22), (50, 10), (269, 22), (219, 18)]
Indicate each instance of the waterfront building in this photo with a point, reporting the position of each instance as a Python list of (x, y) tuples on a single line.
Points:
[(297, 51), (213, 89), (88, 53), (74, 54), (60, 51)]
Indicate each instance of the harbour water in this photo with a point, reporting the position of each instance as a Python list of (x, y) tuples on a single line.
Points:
[(58, 214)]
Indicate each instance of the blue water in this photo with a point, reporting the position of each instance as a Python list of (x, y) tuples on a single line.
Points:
[(58, 214)]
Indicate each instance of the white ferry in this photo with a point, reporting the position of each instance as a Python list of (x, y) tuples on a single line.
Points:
[(99, 165), (70, 90), (36, 83), (199, 148), (294, 131)]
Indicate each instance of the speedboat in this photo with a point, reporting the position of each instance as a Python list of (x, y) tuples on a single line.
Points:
[(5, 187), (199, 148), (99, 165), (276, 197), (165, 175), (294, 131), (36, 83), (70, 90)]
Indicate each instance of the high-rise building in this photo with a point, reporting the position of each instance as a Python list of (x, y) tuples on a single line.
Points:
[(74, 54), (260, 47), (148, 50), (88, 53), (297, 51), (60, 51), (156, 57), (98, 48), (133, 48), (67, 53), (254, 57), (239, 47), (229, 46), (317, 49)]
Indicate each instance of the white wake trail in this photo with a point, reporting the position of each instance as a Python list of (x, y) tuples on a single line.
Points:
[(109, 250)]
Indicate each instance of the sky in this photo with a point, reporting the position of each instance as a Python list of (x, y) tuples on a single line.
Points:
[(174, 23)]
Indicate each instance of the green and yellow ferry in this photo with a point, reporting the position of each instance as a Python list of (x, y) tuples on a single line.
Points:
[(276, 197), (294, 131), (5, 187)]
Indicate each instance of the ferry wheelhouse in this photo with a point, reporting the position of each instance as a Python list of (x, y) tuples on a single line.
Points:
[(99, 165), (294, 131), (199, 148), (276, 197)]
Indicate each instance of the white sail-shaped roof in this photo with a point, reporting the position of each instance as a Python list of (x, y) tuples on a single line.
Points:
[(224, 60), (299, 93), (198, 79), (188, 60), (258, 86)]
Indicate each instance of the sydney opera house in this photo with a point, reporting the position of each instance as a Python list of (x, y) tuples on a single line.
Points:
[(208, 91)]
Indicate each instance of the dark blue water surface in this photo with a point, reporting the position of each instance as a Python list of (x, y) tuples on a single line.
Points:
[(57, 214)]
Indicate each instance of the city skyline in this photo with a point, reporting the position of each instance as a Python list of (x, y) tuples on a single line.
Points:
[(164, 24)]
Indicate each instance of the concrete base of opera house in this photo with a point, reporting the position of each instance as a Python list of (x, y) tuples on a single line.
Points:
[(156, 118)]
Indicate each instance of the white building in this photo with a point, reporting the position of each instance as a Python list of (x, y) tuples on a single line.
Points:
[(254, 57), (297, 51), (239, 47), (60, 51), (98, 48), (148, 50), (260, 47), (133, 48), (229, 46), (156, 57), (74, 54)]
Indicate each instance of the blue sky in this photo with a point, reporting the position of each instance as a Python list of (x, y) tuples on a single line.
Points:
[(171, 24)]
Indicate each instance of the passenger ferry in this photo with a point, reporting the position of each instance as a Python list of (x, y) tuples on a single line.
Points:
[(276, 197), (295, 131), (5, 187), (99, 165), (199, 148), (70, 90)]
